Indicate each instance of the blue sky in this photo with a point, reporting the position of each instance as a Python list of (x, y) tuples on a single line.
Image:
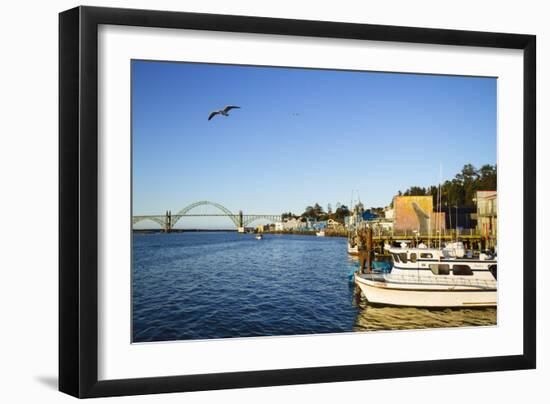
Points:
[(301, 136)]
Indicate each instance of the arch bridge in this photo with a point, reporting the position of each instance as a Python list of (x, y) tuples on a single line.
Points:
[(168, 220)]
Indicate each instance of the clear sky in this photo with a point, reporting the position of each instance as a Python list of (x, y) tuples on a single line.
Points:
[(301, 136)]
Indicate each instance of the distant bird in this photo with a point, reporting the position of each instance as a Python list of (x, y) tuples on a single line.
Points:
[(223, 112)]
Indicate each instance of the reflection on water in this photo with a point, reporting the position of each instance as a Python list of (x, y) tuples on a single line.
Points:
[(376, 317), (223, 285), (372, 318)]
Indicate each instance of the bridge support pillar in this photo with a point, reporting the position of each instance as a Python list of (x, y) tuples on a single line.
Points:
[(241, 221), (168, 222)]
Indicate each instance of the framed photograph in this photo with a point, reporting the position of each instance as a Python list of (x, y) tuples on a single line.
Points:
[(250, 201)]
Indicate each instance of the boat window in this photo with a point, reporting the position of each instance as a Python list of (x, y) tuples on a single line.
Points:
[(403, 257), (440, 269), (493, 269), (462, 270), (426, 255), (396, 257), (413, 257)]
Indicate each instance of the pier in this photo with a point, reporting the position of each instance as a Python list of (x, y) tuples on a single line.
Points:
[(470, 237)]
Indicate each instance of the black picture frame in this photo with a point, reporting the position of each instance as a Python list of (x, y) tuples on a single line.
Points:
[(78, 201)]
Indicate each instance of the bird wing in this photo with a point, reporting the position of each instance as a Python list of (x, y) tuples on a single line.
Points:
[(230, 107), (212, 115)]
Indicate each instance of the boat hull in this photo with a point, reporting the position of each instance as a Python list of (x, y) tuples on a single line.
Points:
[(418, 296)]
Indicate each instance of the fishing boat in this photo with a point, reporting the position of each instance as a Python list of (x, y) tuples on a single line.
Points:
[(320, 233), (433, 277), (259, 237)]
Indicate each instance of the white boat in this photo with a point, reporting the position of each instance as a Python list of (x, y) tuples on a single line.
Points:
[(320, 233), (259, 237), (352, 250), (430, 277)]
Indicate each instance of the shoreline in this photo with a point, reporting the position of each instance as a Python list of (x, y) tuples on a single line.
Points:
[(328, 233)]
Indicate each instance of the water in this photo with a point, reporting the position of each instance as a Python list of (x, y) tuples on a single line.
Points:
[(223, 284)]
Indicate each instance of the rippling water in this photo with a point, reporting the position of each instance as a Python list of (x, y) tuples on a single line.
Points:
[(201, 285)]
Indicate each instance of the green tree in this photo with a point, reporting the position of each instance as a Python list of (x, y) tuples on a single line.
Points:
[(341, 212), (315, 212), (287, 215), (461, 190)]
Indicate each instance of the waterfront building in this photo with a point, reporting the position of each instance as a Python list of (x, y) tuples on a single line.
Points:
[(368, 215), (293, 224), (312, 224), (416, 213), (359, 215), (289, 225), (462, 218), (262, 228), (486, 212), (381, 225), (319, 225), (334, 224)]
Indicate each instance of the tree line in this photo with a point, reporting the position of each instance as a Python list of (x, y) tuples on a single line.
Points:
[(461, 190), (317, 213)]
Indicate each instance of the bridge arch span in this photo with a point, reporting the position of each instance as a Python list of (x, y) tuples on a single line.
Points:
[(160, 220), (234, 218), (270, 218)]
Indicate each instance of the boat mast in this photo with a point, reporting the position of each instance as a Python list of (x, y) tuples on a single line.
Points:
[(456, 220), (439, 207), (451, 220)]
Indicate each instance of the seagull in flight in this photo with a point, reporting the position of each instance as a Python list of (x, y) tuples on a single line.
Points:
[(223, 112)]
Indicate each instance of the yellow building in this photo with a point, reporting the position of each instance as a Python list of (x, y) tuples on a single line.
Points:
[(415, 213), (262, 228)]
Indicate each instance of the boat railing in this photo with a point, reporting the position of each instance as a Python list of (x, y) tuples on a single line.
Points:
[(447, 234), (431, 280)]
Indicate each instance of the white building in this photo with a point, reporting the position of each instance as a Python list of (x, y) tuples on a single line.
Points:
[(333, 224), (292, 224)]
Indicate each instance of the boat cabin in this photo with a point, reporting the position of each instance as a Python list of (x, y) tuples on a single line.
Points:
[(446, 261)]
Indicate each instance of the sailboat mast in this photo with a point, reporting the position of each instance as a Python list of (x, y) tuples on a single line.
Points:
[(456, 220), (439, 205)]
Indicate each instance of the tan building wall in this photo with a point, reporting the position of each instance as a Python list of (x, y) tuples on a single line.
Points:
[(486, 202), (416, 213)]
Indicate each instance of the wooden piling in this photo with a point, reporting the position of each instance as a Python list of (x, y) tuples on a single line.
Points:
[(365, 249), (370, 250)]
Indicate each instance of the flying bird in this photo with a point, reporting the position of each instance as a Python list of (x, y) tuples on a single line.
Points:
[(223, 112)]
